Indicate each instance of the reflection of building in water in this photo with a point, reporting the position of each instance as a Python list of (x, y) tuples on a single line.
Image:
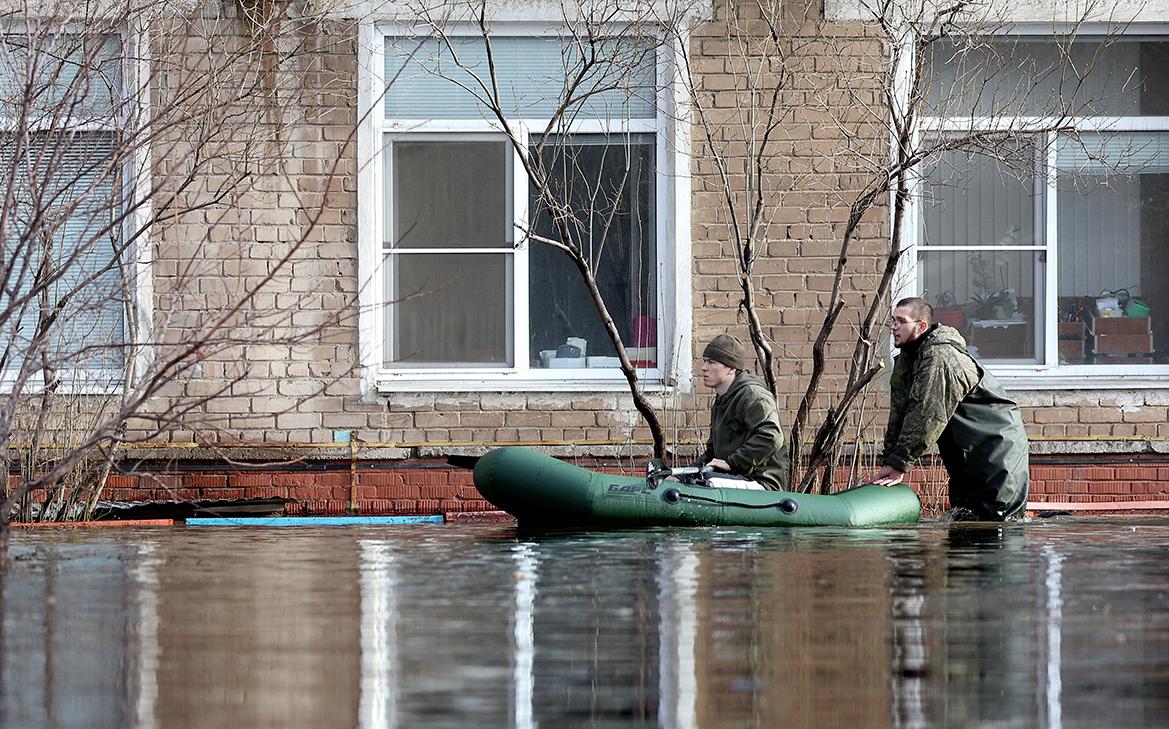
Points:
[(78, 639), (986, 631), (910, 665), (938, 627), (678, 635), (267, 639), (804, 623), (378, 705)]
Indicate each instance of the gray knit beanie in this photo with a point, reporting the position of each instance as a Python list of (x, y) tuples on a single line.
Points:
[(728, 350)]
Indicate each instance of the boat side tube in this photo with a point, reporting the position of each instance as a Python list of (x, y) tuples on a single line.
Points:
[(539, 489)]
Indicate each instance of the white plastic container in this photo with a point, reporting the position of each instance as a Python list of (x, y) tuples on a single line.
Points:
[(613, 362)]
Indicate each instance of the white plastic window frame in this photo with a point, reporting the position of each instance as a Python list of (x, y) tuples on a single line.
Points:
[(1049, 375), (672, 234), (135, 187)]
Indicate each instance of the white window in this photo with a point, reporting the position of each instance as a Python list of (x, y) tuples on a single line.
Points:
[(1051, 252), (62, 298), (459, 290)]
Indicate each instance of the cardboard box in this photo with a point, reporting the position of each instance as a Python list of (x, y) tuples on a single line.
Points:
[(1123, 344), (1014, 341), (1121, 325), (1071, 351)]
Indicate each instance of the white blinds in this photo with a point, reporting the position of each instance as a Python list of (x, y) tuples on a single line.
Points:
[(426, 80), (76, 78), (1114, 153), (65, 199)]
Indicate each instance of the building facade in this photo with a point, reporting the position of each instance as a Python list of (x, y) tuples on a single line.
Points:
[(360, 248)]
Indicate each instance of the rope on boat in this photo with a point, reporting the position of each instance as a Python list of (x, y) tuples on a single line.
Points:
[(787, 506)]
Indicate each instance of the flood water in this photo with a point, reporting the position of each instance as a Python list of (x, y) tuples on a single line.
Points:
[(1050, 624)]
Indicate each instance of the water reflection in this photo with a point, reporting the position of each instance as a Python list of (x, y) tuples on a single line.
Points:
[(524, 635), (1046, 625), (379, 671), (1054, 587), (678, 635), (76, 638)]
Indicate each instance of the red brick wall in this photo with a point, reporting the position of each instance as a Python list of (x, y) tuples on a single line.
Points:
[(432, 487)]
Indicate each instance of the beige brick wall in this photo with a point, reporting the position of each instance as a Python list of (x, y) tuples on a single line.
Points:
[(272, 389)]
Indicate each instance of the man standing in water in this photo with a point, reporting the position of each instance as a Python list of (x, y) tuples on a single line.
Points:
[(745, 436), (940, 394)]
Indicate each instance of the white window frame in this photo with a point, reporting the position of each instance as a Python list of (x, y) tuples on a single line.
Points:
[(136, 185), (1053, 376), (672, 233)]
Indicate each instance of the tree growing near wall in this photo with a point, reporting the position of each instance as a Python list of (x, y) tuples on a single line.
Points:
[(842, 100), (590, 178), (124, 123)]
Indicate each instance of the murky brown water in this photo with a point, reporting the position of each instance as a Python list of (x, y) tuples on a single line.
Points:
[(1054, 624)]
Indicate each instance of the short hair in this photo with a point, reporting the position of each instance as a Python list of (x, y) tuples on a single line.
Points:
[(920, 308)]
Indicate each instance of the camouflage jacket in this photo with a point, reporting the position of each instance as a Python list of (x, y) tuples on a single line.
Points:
[(930, 377), (940, 394), (745, 432)]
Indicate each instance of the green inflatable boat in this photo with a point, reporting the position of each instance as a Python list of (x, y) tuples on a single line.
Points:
[(540, 490)]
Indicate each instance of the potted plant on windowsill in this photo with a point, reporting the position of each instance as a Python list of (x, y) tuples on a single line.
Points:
[(991, 299), (999, 306)]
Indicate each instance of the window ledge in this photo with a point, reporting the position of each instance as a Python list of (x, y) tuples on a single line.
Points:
[(1155, 378), (566, 381), (73, 382)]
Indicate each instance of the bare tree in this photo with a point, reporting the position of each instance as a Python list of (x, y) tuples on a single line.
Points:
[(130, 130), (864, 82), (590, 191)]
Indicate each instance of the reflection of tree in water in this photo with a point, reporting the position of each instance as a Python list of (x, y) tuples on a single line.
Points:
[(987, 630), (909, 669)]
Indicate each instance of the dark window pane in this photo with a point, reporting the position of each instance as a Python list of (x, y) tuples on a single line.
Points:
[(450, 309), (607, 186), (450, 195)]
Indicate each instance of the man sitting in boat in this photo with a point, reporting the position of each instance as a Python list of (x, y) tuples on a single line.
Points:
[(745, 435)]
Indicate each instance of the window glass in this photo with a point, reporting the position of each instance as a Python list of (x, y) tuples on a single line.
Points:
[(61, 248), (987, 206), (450, 310), (449, 194), (972, 199), (1026, 75), (607, 183), (449, 305), (75, 78), (990, 297), (454, 251), (433, 78), (1113, 223), (984, 223), (61, 244)]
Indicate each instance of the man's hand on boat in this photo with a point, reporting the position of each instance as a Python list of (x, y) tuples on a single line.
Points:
[(888, 476), (656, 472), (719, 464)]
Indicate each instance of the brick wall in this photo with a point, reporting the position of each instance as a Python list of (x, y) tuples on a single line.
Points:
[(304, 391), (430, 486), (291, 226)]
